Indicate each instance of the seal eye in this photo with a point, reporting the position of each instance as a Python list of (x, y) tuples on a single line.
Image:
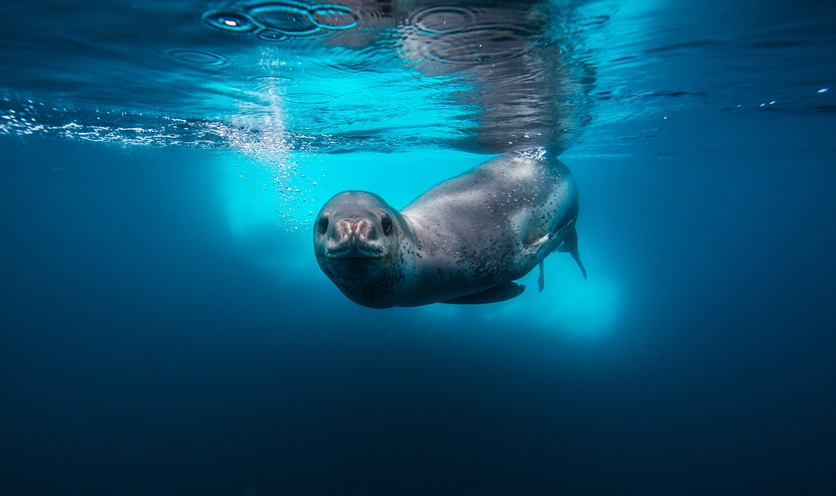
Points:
[(386, 222), (323, 225)]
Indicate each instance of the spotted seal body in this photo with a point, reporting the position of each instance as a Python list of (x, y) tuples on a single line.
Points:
[(463, 241)]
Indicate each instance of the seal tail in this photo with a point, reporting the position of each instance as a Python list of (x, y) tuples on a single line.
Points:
[(570, 245)]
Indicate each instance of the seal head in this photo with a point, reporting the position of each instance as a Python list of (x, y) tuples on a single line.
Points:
[(357, 241)]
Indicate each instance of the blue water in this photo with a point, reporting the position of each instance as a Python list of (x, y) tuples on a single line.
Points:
[(165, 329)]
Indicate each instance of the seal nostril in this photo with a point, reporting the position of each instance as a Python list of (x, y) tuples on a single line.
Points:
[(323, 225)]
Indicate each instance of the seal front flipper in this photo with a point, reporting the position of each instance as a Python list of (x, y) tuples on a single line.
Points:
[(570, 245), (501, 292), (541, 280)]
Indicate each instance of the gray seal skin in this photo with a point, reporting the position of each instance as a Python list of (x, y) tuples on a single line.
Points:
[(463, 241)]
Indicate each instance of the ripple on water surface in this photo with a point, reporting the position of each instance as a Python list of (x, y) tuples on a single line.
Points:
[(467, 36), (287, 18), (334, 17), (270, 81), (199, 58), (439, 20), (280, 21)]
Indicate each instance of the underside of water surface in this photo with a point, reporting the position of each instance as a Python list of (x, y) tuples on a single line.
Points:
[(392, 76)]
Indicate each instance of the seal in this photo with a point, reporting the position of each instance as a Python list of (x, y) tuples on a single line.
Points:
[(463, 241)]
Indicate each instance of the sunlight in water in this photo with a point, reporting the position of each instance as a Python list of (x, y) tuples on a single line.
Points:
[(250, 200), (578, 308), (268, 205), (269, 193), (569, 306), (277, 238)]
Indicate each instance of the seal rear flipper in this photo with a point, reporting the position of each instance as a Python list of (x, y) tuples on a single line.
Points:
[(570, 245), (501, 292)]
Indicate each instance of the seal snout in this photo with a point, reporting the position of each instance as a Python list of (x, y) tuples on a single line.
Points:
[(355, 227), (355, 237)]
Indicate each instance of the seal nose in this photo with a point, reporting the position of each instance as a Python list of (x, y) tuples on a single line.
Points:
[(355, 228), (355, 234), (354, 237)]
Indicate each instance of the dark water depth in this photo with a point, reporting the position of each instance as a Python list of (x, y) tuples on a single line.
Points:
[(143, 353)]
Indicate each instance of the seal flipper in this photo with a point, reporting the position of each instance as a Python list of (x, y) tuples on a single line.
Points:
[(570, 245), (541, 280), (501, 292)]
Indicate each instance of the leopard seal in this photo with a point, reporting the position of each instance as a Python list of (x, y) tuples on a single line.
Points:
[(463, 241)]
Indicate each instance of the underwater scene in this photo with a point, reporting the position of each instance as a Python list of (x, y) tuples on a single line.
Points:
[(624, 282)]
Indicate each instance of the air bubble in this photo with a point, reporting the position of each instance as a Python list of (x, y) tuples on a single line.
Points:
[(229, 20)]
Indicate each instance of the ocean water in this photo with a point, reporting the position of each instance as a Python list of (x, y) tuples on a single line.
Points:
[(165, 329)]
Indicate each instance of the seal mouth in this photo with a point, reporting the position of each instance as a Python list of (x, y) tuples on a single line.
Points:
[(352, 266), (353, 256), (355, 252)]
